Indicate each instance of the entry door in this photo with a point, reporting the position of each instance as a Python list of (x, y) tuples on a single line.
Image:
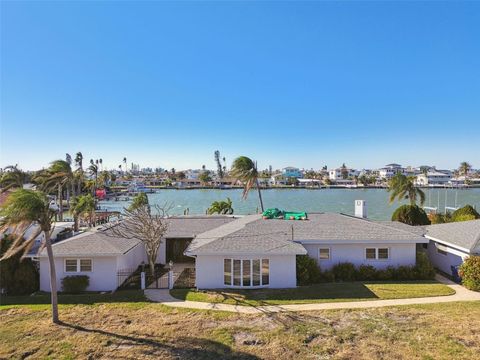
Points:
[(175, 249)]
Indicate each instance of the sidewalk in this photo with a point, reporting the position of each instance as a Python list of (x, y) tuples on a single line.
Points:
[(461, 294)]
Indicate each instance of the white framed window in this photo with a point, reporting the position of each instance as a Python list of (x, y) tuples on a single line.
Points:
[(246, 272), (377, 253), (370, 253), (71, 265), (78, 265), (324, 254)]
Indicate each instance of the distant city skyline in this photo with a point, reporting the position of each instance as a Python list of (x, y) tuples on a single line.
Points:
[(303, 84)]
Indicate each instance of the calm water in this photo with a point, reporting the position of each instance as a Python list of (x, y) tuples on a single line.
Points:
[(324, 200)]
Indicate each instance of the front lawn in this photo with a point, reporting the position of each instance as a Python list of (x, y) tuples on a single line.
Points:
[(328, 292), (154, 331), (86, 298)]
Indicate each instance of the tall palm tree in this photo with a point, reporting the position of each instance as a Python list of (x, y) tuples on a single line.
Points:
[(464, 168), (93, 169), (12, 178), (79, 174), (245, 170), (125, 162), (82, 205), (403, 187), (58, 176), (101, 164), (22, 209)]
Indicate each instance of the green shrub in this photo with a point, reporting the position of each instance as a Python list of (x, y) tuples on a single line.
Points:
[(75, 284), (308, 271), (462, 214), (404, 273), (469, 271), (327, 276), (424, 269), (17, 276), (411, 215), (466, 217), (366, 273), (344, 271)]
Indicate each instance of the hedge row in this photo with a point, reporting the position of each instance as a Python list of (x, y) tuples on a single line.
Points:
[(309, 273)]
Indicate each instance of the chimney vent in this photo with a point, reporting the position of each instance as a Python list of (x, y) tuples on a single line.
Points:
[(361, 209)]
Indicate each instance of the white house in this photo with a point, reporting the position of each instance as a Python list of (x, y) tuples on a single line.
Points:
[(390, 170), (245, 252), (337, 174), (230, 256), (433, 178), (101, 256), (450, 243)]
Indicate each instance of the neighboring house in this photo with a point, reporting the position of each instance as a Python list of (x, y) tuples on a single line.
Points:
[(433, 178), (390, 170), (292, 172), (101, 256), (451, 243), (338, 174)]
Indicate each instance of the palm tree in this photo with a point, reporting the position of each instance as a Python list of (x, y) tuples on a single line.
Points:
[(464, 168), (81, 205), (125, 162), (245, 170), (13, 177), (58, 176), (403, 187), (221, 207), (104, 178), (93, 169), (22, 209), (79, 175), (101, 164)]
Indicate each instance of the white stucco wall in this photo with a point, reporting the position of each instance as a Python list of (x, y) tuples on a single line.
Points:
[(209, 270), (132, 259), (444, 262), (400, 254), (102, 278)]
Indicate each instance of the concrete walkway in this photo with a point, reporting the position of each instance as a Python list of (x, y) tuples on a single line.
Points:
[(461, 294)]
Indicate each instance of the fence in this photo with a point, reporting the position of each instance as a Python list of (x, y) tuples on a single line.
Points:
[(131, 279)]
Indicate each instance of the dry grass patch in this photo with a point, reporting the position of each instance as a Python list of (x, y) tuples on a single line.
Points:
[(146, 330)]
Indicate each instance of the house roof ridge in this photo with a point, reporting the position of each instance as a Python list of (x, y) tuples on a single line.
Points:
[(384, 225)]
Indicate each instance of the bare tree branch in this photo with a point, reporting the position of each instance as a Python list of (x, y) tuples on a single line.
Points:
[(146, 224)]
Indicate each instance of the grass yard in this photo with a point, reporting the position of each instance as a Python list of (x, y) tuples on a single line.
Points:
[(151, 331), (88, 298), (329, 292)]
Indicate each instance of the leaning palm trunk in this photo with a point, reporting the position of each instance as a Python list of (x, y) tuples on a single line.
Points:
[(260, 195), (53, 278)]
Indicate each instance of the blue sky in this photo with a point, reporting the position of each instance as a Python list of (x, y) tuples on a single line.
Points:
[(287, 83)]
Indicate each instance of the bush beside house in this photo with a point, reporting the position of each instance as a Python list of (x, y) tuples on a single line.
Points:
[(423, 270), (75, 284), (17, 276), (469, 271)]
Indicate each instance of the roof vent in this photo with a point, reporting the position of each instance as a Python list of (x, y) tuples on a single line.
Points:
[(361, 209)]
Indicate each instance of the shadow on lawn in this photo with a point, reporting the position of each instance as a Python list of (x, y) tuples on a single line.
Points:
[(184, 347), (121, 296)]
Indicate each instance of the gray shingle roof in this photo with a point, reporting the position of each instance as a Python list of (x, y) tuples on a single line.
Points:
[(465, 234), (92, 244), (253, 234), (97, 243)]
